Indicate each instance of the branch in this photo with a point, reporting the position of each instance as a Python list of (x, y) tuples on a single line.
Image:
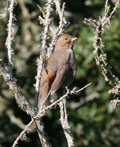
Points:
[(41, 133), (68, 93), (22, 134), (43, 112), (63, 24), (101, 57), (20, 98), (10, 37), (65, 124), (28, 128)]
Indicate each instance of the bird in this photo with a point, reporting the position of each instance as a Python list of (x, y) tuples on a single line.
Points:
[(60, 69)]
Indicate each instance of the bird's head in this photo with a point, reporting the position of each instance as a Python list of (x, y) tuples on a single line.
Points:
[(65, 41)]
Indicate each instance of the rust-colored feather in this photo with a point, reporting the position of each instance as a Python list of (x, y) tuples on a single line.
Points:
[(49, 77)]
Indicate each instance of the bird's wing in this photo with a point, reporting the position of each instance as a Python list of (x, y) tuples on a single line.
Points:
[(59, 78)]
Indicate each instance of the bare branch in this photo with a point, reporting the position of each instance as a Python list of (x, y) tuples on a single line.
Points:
[(20, 98), (10, 37), (61, 28), (90, 22), (65, 124), (42, 112), (22, 134), (66, 95), (28, 129), (117, 5), (42, 134), (101, 57)]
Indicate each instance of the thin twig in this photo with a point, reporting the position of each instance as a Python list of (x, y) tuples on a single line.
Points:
[(23, 133), (61, 28), (66, 95)]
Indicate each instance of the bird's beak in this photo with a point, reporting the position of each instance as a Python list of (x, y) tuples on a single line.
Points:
[(74, 38)]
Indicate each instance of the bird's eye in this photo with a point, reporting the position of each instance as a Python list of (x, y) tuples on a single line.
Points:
[(65, 38)]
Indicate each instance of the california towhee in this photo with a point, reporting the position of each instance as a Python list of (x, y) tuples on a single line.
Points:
[(60, 68)]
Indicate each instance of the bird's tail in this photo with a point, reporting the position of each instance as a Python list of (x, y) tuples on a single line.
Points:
[(41, 100)]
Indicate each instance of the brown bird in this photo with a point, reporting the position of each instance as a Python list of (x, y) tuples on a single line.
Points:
[(60, 69)]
